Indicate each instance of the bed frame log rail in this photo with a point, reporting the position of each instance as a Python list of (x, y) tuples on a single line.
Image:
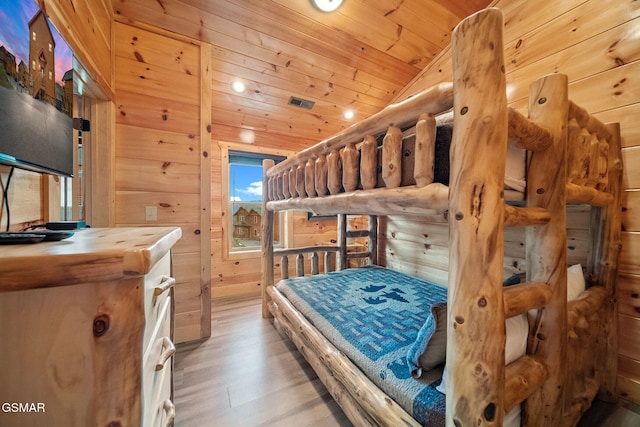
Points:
[(572, 158)]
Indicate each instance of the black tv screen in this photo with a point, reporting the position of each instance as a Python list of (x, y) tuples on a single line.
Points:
[(36, 92)]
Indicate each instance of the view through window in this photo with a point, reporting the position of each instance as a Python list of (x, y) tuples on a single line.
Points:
[(245, 200)]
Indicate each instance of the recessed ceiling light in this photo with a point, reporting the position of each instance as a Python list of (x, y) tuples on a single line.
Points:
[(326, 5), (348, 114), (238, 86)]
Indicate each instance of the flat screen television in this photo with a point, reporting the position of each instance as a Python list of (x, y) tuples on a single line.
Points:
[(36, 91)]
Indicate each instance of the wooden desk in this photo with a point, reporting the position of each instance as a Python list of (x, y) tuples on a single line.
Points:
[(85, 329)]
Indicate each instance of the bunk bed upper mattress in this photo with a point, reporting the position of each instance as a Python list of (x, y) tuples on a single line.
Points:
[(373, 315), (515, 167)]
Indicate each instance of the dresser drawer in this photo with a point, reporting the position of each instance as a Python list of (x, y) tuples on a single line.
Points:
[(157, 287), (156, 368)]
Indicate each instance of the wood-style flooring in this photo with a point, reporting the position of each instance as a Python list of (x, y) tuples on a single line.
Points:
[(248, 375)]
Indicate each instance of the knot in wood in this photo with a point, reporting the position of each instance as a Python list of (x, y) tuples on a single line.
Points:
[(540, 191), (490, 412), (482, 302), (541, 337), (100, 325), (459, 319), (459, 216), (542, 100), (464, 110)]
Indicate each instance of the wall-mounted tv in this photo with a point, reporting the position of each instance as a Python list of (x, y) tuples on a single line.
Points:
[(36, 91)]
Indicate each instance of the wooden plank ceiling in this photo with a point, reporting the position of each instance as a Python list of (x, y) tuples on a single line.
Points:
[(358, 57)]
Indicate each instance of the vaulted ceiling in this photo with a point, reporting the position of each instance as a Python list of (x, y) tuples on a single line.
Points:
[(358, 57)]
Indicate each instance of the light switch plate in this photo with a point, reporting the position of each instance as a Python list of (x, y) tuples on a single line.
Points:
[(151, 213)]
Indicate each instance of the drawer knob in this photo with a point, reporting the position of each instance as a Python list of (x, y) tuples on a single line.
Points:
[(168, 350), (166, 283), (170, 411)]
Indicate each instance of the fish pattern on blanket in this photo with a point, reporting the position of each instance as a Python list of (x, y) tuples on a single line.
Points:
[(373, 315)]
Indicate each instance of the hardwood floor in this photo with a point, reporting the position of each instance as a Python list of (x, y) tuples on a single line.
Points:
[(247, 375)]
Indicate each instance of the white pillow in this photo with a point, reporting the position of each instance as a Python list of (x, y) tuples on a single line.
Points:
[(517, 334), (517, 329), (514, 175), (575, 282)]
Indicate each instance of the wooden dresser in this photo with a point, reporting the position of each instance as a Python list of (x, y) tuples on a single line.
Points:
[(86, 328)]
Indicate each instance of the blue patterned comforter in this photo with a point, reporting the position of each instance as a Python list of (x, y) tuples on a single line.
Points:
[(373, 315)]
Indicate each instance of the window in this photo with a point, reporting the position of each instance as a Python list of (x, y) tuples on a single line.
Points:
[(33, 64), (50, 48), (245, 200), (50, 75), (33, 35)]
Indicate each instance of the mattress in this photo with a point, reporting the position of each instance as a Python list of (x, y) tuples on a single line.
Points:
[(373, 315), (515, 167)]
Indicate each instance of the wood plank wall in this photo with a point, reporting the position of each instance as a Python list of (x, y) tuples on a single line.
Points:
[(596, 44), (25, 199), (161, 148)]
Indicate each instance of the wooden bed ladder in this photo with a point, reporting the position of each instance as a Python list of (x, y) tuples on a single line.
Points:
[(538, 379), (483, 390), (343, 234)]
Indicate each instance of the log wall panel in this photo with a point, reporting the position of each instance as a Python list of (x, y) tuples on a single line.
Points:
[(153, 144), (628, 345), (629, 295), (628, 386), (629, 256), (172, 208), (144, 78), (156, 113), (272, 89), (26, 204), (230, 35), (408, 240), (631, 210), (159, 176), (627, 117), (159, 154), (630, 158)]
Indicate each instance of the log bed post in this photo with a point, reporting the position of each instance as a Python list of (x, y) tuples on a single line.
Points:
[(546, 249), (476, 322), (372, 239), (266, 229), (604, 260), (341, 258)]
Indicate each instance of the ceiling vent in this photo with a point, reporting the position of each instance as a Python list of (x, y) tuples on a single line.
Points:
[(302, 103)]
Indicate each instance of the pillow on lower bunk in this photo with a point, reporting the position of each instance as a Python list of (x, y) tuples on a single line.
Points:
[(430, 347), (517, 331), (575, 282)]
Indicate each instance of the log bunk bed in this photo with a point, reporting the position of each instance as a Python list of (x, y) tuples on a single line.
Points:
[(572, 158)]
